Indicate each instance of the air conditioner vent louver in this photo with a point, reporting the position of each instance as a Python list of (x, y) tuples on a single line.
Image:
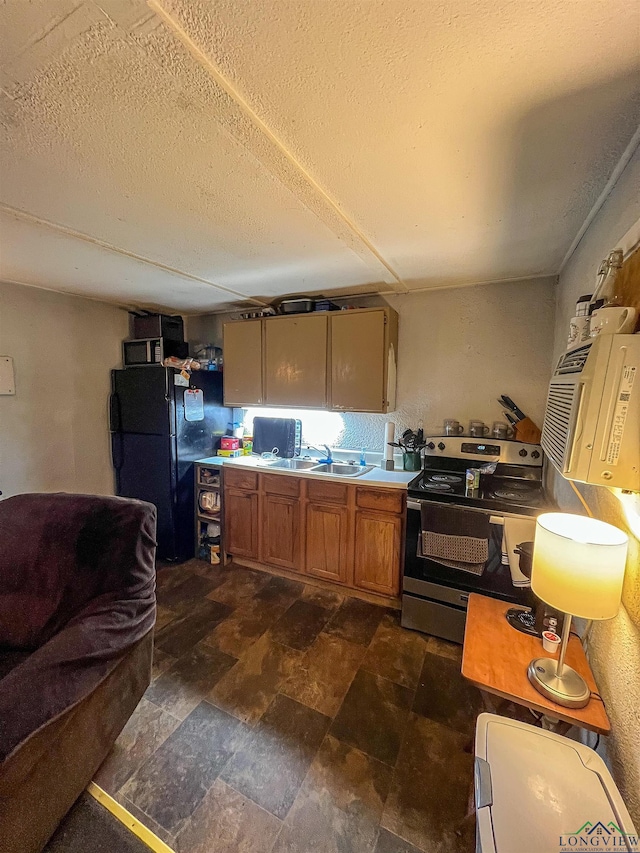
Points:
[(555, 432), (574, 361), (590, 429)]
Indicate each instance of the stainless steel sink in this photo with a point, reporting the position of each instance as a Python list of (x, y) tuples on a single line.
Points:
[(342, 469), (293, 464)]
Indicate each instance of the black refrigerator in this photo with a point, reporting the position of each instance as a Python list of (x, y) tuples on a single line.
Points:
[(156, 434)]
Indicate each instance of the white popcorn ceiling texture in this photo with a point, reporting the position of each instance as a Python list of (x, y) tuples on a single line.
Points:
[(190, 155)]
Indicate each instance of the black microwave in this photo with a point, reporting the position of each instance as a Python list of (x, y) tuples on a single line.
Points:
[(283, 435), (143, 352)]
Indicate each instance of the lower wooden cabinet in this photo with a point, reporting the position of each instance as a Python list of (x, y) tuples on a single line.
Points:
[(378, 545), (327, 532), (343, 533), (280, 534), (241, 523)]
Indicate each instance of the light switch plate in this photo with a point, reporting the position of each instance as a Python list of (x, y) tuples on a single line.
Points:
[(7, 376)]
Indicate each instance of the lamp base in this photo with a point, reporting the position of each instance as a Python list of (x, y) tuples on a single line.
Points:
[(568, 689)]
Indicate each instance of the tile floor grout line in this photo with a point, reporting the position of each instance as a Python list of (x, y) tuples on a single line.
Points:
[(160, 708), (251, 725)]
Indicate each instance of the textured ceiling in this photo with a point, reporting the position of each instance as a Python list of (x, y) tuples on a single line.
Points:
[(191, 155)]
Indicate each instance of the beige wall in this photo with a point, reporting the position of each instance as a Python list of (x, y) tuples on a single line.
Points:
[(54, 432), (614, 648), (458, 350)]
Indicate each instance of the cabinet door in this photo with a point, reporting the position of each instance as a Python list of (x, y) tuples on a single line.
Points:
[(377, 552), (241, 523), (280, 539), (243, 363), (296, 361), (326, 551), (358, 356)]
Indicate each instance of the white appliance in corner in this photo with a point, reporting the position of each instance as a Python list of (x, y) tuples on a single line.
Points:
[(539, 792), (591, 429)]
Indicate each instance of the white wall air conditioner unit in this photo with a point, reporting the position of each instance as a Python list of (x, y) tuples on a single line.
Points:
[(591, 429)]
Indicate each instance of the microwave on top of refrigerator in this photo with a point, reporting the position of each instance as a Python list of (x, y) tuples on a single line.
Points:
[(143, 352)]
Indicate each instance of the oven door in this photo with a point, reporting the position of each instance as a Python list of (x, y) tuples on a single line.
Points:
[(426, 577)]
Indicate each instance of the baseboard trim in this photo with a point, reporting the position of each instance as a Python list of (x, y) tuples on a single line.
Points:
[(370, 597)]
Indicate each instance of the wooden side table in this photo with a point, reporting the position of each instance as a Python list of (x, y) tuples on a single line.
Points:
[(495, 658)]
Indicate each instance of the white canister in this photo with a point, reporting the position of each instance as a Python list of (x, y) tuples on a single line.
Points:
[(613, 321), (579, 329)]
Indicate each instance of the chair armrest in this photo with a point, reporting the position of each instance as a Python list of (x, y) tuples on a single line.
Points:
[(63, 671)]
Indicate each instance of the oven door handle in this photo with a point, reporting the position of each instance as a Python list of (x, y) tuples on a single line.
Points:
[(493, 519)]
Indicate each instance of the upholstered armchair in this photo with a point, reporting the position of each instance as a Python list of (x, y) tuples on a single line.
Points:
[(77, 610)]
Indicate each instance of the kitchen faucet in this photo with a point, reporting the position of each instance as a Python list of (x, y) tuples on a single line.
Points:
[(327, 449)]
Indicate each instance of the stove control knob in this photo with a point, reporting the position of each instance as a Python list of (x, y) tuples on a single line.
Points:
[(431, 446), (535, 454), (523, 452), (441, 446)]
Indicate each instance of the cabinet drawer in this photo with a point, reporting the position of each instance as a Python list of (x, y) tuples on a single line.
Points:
[(278, 484), (236, 479), (319, 491), (383, 500)]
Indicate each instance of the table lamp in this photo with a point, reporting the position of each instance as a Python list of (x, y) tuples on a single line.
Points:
[(578, 568)]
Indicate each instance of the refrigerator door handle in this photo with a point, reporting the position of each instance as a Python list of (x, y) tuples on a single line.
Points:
[(117, 451), (117, 455), (171, 398), (114, 413)]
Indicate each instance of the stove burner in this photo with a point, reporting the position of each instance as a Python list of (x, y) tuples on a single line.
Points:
[(517, 486), (514, 493), (437, 487), (445, 478)]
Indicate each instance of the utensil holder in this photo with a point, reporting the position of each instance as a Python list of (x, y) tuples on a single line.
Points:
[(411, 460)]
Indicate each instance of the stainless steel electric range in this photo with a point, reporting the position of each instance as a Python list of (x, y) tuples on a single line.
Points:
[(495, 515)]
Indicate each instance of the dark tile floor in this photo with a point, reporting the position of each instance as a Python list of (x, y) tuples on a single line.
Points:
[(283, 718)]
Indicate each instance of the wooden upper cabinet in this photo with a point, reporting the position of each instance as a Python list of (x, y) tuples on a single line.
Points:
[(378, 551), (242, 350), (296, 361), (342, 360), (363, 360)]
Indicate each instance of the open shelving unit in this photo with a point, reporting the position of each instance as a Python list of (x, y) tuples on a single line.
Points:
[(208, 521)]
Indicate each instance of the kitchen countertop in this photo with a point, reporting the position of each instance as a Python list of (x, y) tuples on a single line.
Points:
[(397, 479)]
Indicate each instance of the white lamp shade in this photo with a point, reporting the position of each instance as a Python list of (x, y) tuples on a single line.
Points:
[(578, 564)]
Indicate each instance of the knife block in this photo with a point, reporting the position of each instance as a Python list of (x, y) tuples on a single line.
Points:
[(527, 432)]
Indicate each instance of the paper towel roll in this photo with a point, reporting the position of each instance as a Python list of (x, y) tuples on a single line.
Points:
[(389, 429)]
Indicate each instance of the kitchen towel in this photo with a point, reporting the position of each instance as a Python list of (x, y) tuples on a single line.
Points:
[(459, 537)]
